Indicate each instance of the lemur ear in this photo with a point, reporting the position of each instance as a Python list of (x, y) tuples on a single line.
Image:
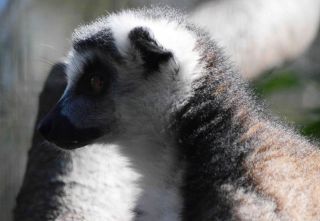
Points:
[(151, 52)]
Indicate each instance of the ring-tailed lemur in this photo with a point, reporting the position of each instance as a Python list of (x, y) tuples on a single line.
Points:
[(192, 142)]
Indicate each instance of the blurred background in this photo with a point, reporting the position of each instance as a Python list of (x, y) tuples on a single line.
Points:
[(34, 34)]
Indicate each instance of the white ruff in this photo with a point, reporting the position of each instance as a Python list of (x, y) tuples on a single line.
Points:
[(122, 179)]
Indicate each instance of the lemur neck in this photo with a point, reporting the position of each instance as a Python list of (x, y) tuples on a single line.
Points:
[(155, 159), (211, 130)]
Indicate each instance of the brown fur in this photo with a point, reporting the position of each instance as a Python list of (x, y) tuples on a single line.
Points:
[(286, 169), (278, 175)]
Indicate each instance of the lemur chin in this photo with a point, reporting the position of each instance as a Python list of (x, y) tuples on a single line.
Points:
[(158, 91)]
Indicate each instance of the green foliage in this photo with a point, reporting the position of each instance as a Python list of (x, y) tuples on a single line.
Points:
[(276, 81), (284, 83), (312, 129)]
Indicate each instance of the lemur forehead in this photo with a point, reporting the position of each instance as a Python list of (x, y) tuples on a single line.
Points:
[(110, 34), (91, 43), (169, 33), (95, 38)]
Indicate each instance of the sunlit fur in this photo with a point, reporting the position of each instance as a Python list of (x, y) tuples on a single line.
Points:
[(151, 176), (189, 141)]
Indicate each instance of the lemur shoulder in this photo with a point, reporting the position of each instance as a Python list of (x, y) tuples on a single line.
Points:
[(186, 138)]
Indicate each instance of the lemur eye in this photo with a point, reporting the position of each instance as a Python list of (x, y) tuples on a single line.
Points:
[(97, 84)]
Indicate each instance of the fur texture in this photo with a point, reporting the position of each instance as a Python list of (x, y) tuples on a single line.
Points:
[(184, 139), (251, 163)]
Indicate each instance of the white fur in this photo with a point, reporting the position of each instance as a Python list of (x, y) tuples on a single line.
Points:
[(110, 194), (169, 34), (143, 170)]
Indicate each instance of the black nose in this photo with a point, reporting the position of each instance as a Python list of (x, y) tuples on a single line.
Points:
[(57, 129)]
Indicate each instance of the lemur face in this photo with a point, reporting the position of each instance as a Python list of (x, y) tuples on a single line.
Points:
[(123, 77), (107, 90), (86, 109)]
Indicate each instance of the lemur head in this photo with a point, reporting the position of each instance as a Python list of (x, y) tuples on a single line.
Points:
[(126, 74)]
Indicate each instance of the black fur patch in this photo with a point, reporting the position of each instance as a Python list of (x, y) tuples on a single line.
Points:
[(152, 53), (102, 40), (209, 139)]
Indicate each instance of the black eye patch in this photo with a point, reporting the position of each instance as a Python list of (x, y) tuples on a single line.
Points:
[(96, 79)]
